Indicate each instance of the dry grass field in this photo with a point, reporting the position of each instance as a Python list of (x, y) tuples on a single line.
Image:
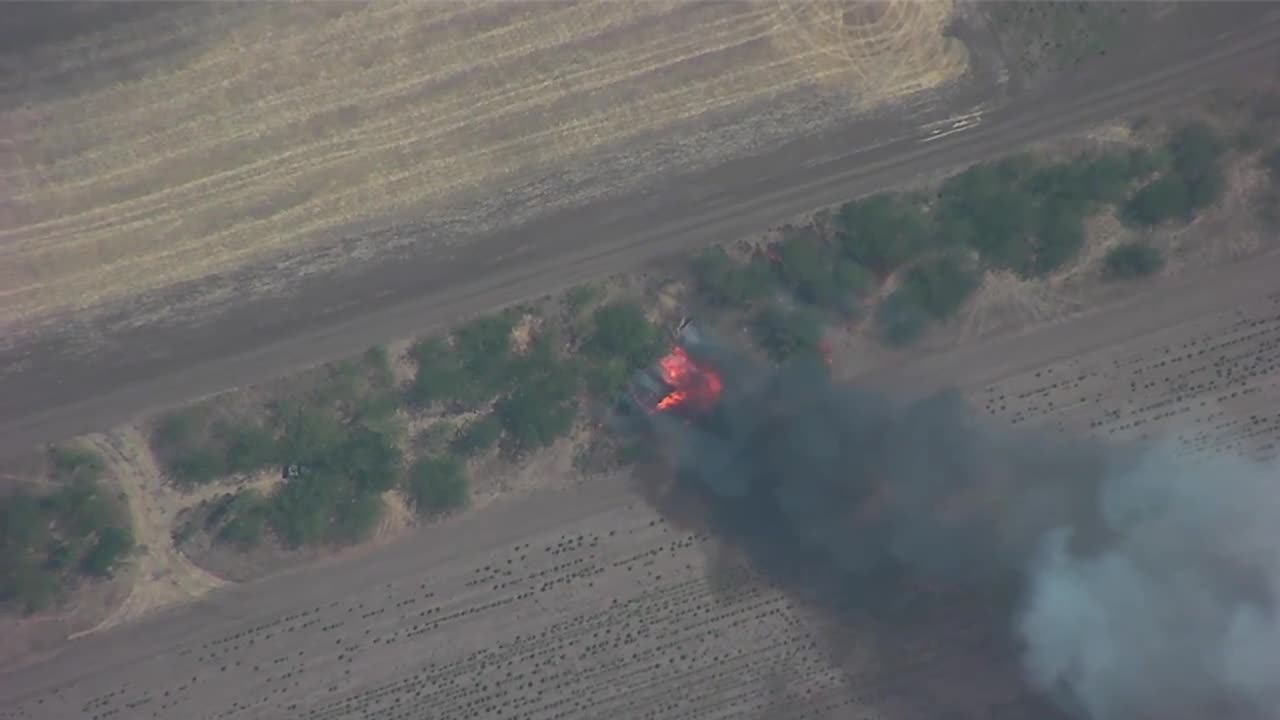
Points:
[(206, 140)]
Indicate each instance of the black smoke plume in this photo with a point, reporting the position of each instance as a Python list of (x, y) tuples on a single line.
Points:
[(1139, 584)]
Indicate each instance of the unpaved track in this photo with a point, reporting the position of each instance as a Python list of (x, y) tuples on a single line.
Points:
[(85, 377), (584, 604)]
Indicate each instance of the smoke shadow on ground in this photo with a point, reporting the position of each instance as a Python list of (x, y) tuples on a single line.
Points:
[(936, 653)]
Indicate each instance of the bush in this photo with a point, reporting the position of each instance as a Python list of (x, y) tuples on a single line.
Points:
[(357, 518), (1272, 164), (1162, 199), (368, 460), (249, 447), (786, 334), (177, 429), (24, 582), (941, 285), (1196, 150), (247, 513), (621, 330), (537, 414), (110, 547), (901, 318), (985, 208), (1192, 182), (478, 436), (437, 485), (303, 508), (76, 463), (882, 232), (1030, 219), (24, 525), (580, 297), (484, 352), (726, 282), (438, 373), (1132, 260), (79, 509)]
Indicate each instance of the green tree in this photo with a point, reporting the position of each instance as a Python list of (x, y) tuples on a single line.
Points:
[(621, 330), (80, 509), (247, 514), (941, 285), (484, 352), (987, 209), (437, 485), (882, 232), (249, 447), (901, 318), (25, 583), (1162, 199), (726, 282), (356, 518), (1272, 163), (76, 462), (1196, 149), (786, 334), (1132, 260), (1059, 236), (478, 436), (580, 296), (369, 461), (537, 414), (109, 548), (303, 507), (806, 268), (24, 525)]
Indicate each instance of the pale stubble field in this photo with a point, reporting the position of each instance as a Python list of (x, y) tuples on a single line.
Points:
[(275, 126)]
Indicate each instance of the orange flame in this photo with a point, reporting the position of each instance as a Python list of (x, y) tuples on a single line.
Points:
[(694, 384)]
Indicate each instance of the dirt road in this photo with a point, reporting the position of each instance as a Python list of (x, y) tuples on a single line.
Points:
[(87, 374), (586, 604)]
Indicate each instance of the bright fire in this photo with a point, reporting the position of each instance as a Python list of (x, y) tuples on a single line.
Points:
[(695, 385)]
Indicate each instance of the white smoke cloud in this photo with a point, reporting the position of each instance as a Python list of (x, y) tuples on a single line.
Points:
[(1175, 615)]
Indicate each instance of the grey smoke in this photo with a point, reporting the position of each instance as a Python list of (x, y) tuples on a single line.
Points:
[(1147, 582)]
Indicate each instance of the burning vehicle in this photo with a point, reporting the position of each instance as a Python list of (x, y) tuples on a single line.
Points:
[(680, 383)]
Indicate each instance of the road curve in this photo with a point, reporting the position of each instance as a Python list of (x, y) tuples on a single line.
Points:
[(49, 390)]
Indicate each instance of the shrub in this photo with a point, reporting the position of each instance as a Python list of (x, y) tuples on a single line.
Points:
[(1195, 149), (538, 413), (484, 352), (941, 285), (79, 509), (249, 447), (1132, 260), (24, 582), (478, 436), (1192, 182), (727, 282), (901, 318), (247, 513), (302, 509), (368, 461), (438, 373), (786, 334), (581, 296), (357, 518), (177, 429), (1162, 199), (76, 463), (1272, 163), (882, 232), (621, 330), (24, 525), (985, 208), (437, 485), (311, 437), (110, 547)]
